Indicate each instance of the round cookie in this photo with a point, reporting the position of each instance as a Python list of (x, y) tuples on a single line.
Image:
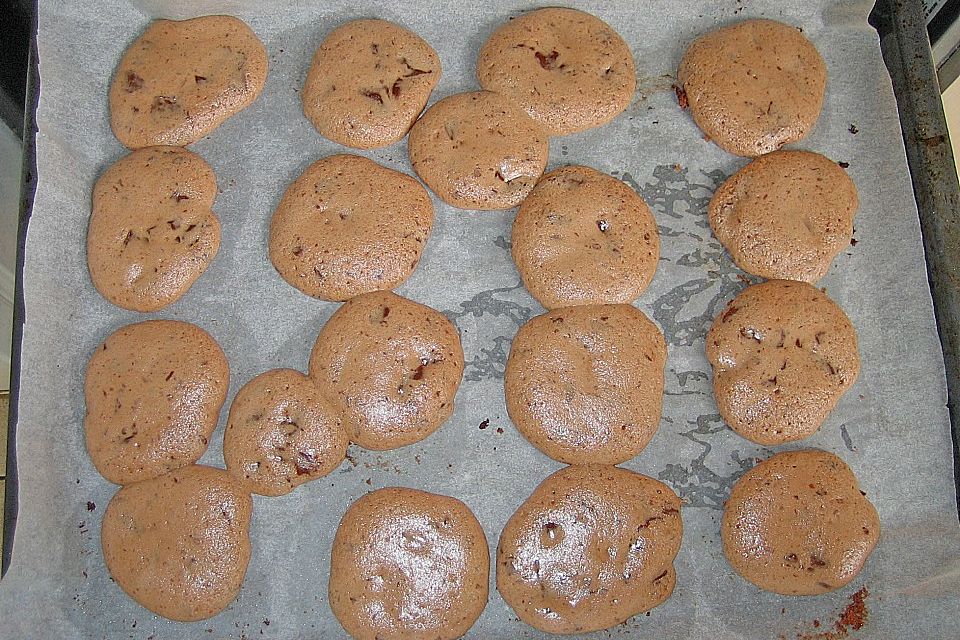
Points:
[(408, 564), (281, 433), (180, 80), (152, 232), (785, 215), (568, 69), (592, 546), (585, 384), (349, 226), (153, 392), (583, 237), (782, 353), (798, 524), (753, 86), (393, 364), (478, 151), (369, 81)]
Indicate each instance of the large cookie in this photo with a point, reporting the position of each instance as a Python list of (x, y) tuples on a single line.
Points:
[(369, 81), (782, 353), (585, 384), (583, 237), (181, 79), (568, 69), (349, 226), (152, 232)]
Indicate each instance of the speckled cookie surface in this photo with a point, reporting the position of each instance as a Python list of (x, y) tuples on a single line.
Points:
[(152, 231), (568, 69), (179, 544), (585, 384), (782, 353), (798, 524), (281, 433), (395, 366), (583, 237), (349, 226), (753, 86), (408, 564), (369, 81), (591, 547), (153, 391), (785, 215), (478, 150)]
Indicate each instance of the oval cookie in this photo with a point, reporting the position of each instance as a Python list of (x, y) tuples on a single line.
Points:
[(592, 546), (585, 384), (154, 392), (782, 353)]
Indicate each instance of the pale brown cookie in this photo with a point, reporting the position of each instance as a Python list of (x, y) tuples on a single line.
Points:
[(591, 547), (782, 353), (583, 237), (395, 366), (369, 81), (180, 80), (798, 524), (153, 391), (408, 564), (282, 432), (478, 151), (753, 86), (568, 69), (585, 384), (179, 544), (152, 232), (349, 226)]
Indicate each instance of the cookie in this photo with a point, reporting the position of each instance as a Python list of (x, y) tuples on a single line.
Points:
[(349, 226), (153, 391), (180, 80), (798, 524), (179, 544), (782, 353), (785, 215), (583, 237), (152, 232), (753, 86), (567, 69), (281, 433), (591, 547), (585, 384), (369, 81), (478, 151), (393, 364), (408, 564)]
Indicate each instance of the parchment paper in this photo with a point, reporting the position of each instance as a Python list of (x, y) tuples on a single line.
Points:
[(891, 428)]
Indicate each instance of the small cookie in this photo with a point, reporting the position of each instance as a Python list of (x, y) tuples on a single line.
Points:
[(785, 215), (395, 366), (797, 524), (782, 353), (369, 81), (179, 544), (152, 232), (408, 564), (592, 546), (583, 237), (180, 80), (585, 384), (568, 69), (154, 391), (753, 86), (478, 151), (349, 226), (281, 433)]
